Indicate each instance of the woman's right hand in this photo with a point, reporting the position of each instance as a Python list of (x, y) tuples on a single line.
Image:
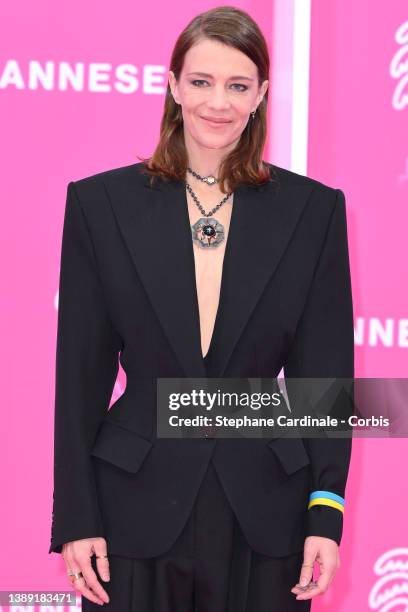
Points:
[(77, 556)]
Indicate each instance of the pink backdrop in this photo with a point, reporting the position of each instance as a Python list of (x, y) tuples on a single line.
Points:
[(53, 133), (358, 141)]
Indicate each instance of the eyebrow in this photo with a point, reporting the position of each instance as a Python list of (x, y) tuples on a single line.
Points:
[(204, 74)]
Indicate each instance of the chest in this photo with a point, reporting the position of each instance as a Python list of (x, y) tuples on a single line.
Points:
[(208, 263)]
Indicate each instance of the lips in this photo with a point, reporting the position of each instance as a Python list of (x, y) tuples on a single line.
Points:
[(216, 120)]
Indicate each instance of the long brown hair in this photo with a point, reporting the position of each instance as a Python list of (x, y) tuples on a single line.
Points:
[(233, 27)]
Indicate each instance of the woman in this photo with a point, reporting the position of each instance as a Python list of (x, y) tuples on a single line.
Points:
[(183, 264)]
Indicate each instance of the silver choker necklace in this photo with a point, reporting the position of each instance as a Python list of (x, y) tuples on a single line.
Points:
[(210, 179)]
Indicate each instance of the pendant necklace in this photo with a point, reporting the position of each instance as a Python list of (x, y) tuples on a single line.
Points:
[(207, 232)]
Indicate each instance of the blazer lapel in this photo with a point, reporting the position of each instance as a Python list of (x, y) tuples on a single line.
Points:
[(155, 226), (262, 224)]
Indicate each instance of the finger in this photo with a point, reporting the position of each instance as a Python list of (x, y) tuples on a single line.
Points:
[(102, 561), (311, 590), (327, 571), (306, 571), (91, 578), (80, 585), (297, 590)]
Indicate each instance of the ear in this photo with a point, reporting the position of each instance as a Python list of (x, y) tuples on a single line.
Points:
[(173, 86), (262, 91)]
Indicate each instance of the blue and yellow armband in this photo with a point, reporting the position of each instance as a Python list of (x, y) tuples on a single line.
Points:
[(326, 498)]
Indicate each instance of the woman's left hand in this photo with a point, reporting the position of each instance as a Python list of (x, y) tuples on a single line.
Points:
[(325, 552)]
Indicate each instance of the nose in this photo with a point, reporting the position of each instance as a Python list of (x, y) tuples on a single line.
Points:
[(219, 99)]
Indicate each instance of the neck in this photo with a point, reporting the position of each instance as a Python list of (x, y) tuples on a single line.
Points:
[(203, 160)]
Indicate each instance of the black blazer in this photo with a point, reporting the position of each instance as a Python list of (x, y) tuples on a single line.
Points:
[(127, 286)]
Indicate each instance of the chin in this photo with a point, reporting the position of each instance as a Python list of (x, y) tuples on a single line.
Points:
[(212, 143)]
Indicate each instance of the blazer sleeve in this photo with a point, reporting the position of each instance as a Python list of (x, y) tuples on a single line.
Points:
[(323, 347), (86, 369)]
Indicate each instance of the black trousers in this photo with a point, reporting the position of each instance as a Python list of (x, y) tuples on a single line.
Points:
[(210, 568)]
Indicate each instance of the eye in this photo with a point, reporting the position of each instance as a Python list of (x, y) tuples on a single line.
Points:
[(240, 85), (198, 81)]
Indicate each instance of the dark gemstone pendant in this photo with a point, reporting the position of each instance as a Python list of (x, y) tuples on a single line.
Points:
[(207, 232)]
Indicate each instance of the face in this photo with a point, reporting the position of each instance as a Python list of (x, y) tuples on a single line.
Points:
[(218, 89)]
